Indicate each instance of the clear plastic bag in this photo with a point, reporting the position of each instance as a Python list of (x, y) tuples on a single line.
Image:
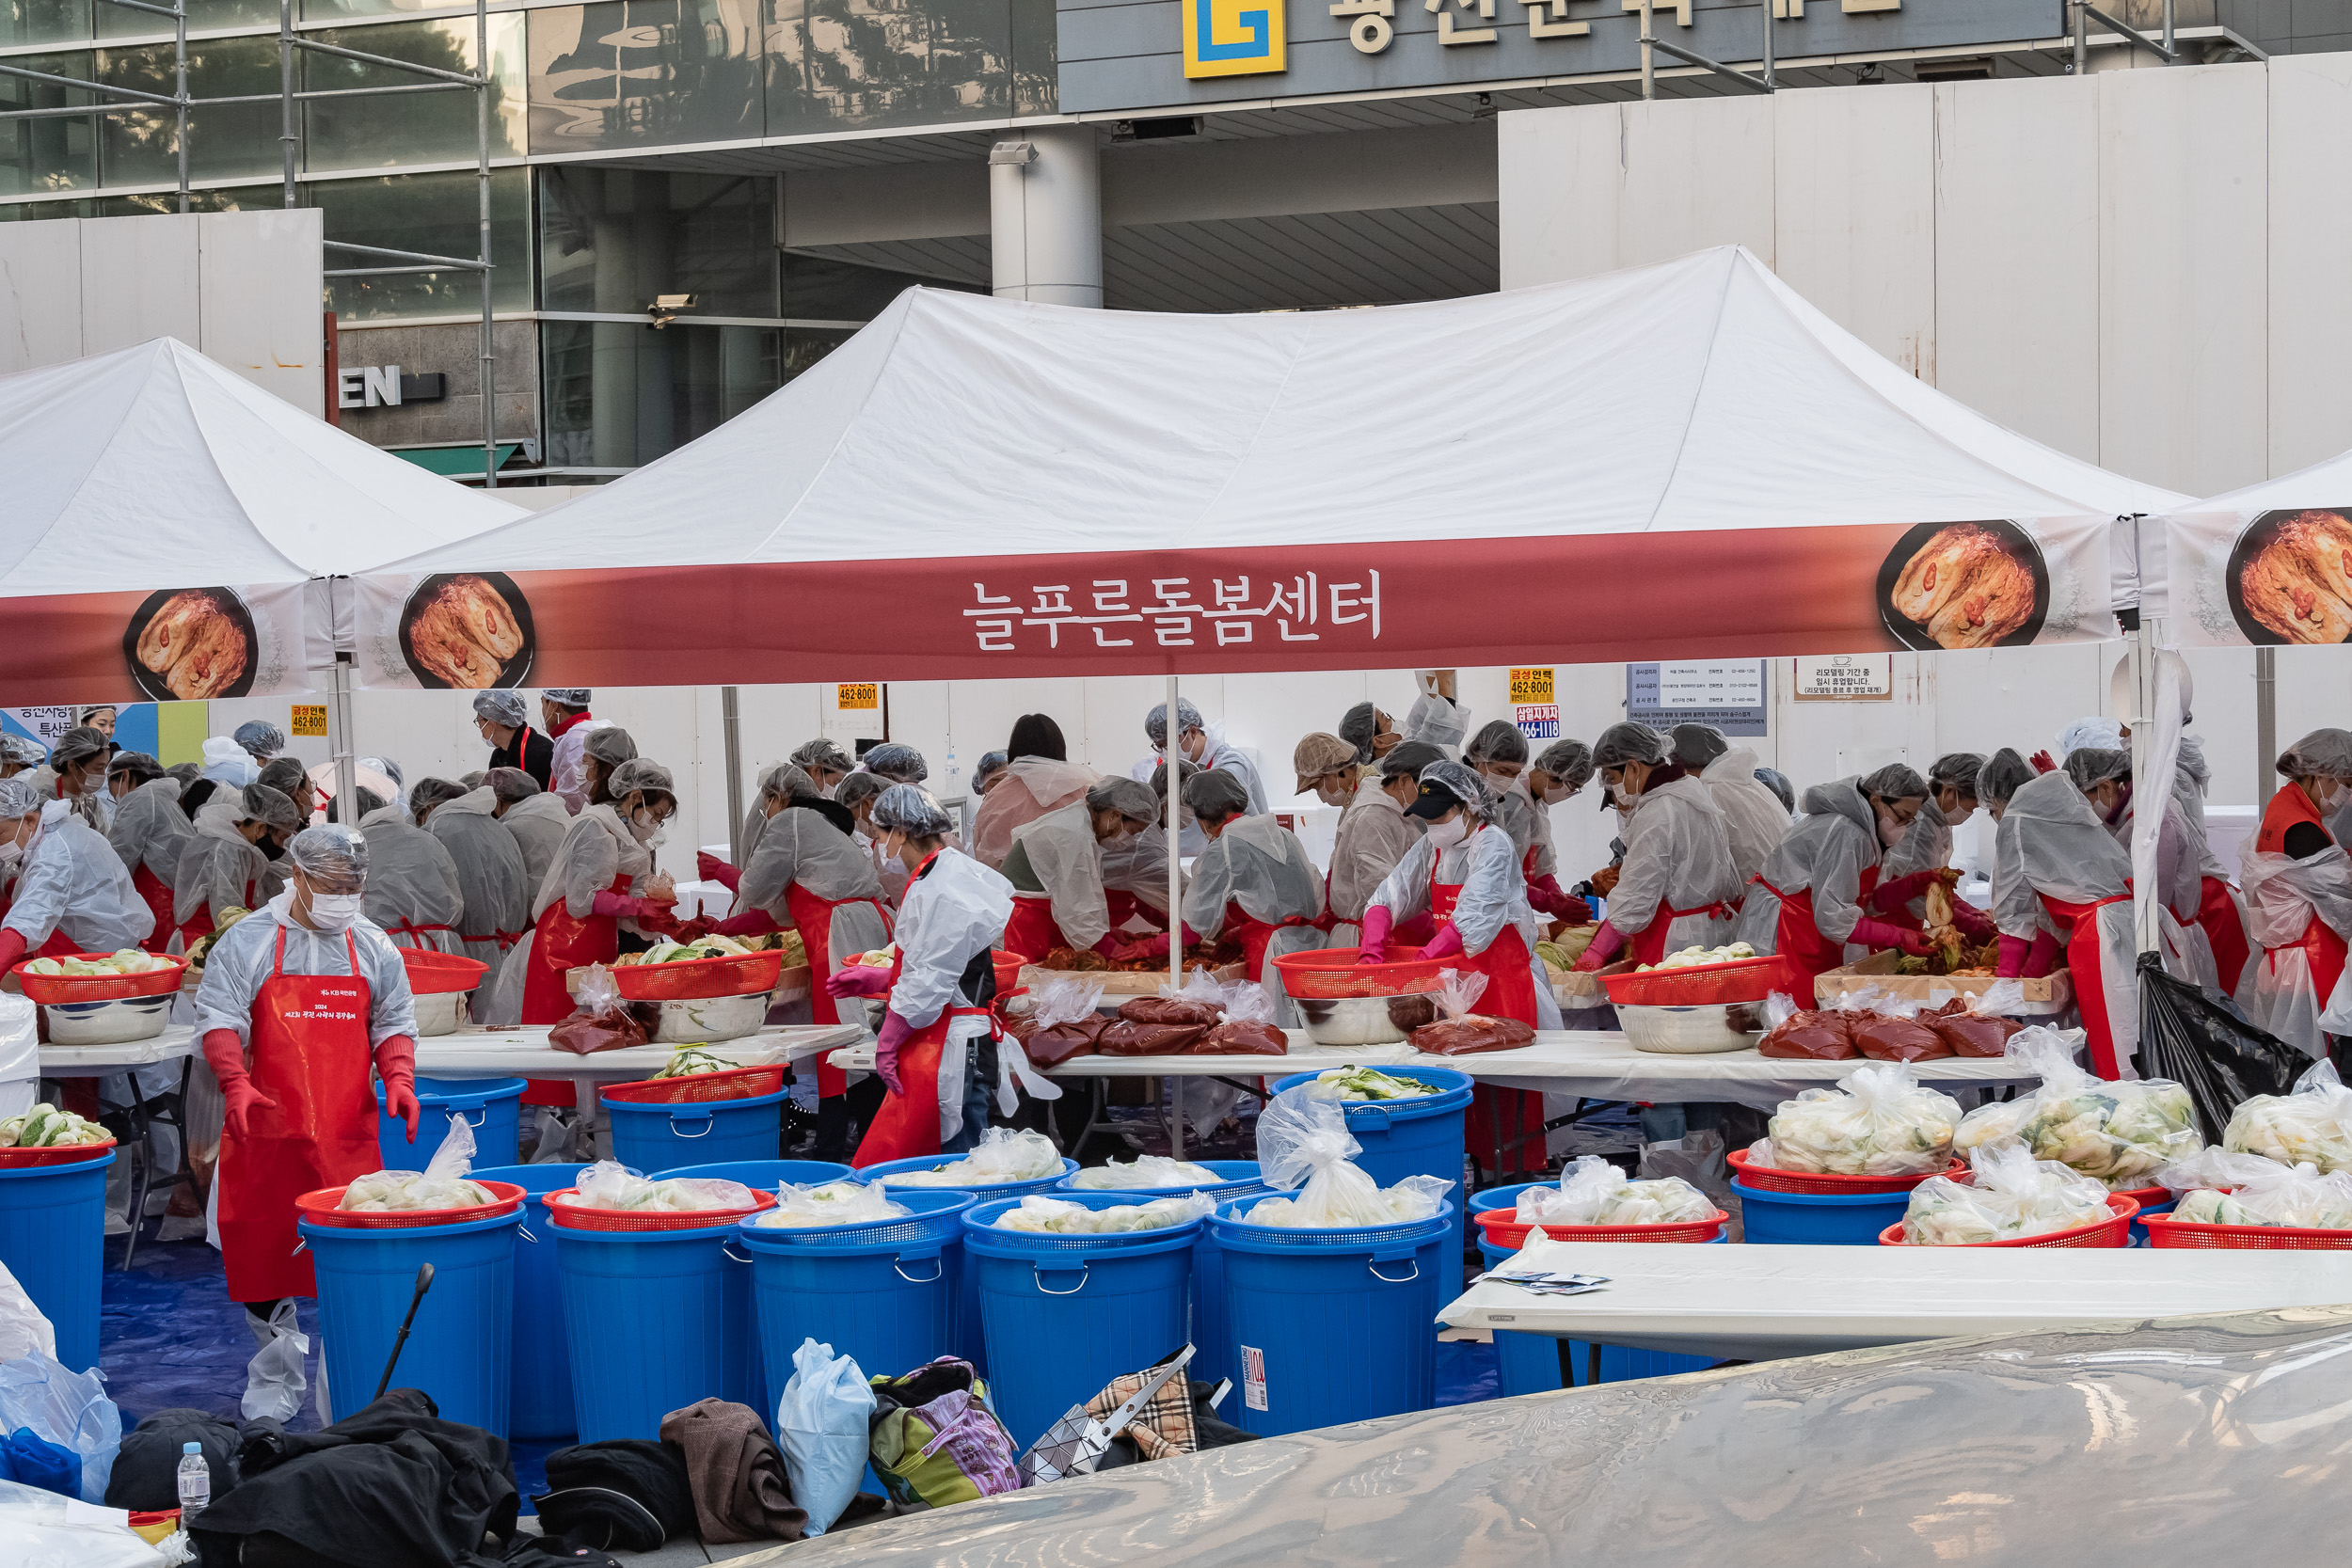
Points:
[(1878, 1121), (2311, 1126), (1038, 1213), (1200, 985), (2218, 1187), (1304, 1146), (2013, 1195), (821, 1427), (41, 1529), (1001, 1157), (68, 1408), (831, 1203), (23, 1331), (2119, 1133), (1065, 1001), (1459, 1031), (1149, 1170), (610, 1184), (441, 1184), (602, 1021), (1593, 1191)]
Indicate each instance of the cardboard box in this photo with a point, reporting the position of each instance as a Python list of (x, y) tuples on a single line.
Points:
[(2044, 997)]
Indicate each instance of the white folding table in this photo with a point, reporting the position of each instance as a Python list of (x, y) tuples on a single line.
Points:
[(176, 1043)]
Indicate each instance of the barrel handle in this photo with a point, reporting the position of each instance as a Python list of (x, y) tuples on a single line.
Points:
[(1374, 1267), (298, 1246), (728, 1247), (524, 1232), (678, 1130), (1370, 1111), (939, 1270), (1037, 1271)]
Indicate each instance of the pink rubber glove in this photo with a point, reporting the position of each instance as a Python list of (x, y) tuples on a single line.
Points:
[(225, 1055), (1110, 945), (896, 1032), (1378, 921), (750, 922), (1143, 948), (2045, 957), (1889, 896), (1606, 941), (1448, 942), (1878, 933), (858, 980), (1546, 894), (2013, 964), (1972, 923), (620, 906), (396, 1063), (711, 868), (11, 949)]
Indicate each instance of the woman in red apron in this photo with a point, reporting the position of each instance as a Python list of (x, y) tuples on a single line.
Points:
[(1254, 883), (2299, 893), (222, 865), (1374, 832), (72, 894), (937, 1050), (1055, 864), (150, 832), (2060, 876), (299, 1001), (1678, 884), (1813, 896)]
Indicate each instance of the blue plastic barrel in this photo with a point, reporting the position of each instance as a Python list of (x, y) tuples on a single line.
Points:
[(458, 1350), (53, 1238), (658, 1136), (1334, 1325), (765, 1175), (1064, 1315), (491, 1106), (539, 1404), (2139, 1231), (1411, 1137), (658, 1320), (1213, 1345), (970, 1342), (1816, 1219)]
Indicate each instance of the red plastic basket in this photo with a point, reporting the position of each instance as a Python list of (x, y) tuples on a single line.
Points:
[(741, 1082), (70, 1154), (2165, 1231), (1703, 985), (2115, 1230), (1828, 1184), (694, 979), (1505, 1229), (109, 988), (571, 1217), (319, 1208), (1334, 974), (432, 973)]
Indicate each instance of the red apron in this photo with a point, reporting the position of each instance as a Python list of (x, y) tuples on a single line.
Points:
[(1648, 944), (1509, 994), (812, 916), (2216, 912), (2321, 948), (1255, 934), (200, 926), (908, 1124), (2084, 967), (1032, 931), (151, 887), (309, 1054), (1799, 941), (564, 944), (406, 933), (1123, 907)]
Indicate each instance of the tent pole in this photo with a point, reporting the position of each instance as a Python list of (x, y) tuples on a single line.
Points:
[(339, 744), (2142, 716), (730, 721), (2265, 727), (1175, 849), (1649, 56)]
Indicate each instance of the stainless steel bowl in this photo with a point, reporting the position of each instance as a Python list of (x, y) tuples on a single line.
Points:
[(704, 1019), (1364, 1020)]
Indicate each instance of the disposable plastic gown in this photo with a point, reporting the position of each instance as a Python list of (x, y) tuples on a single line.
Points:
[(1517, 813), (595, 852), (1928, 847), (1260, 864), (1754, 821), (798, 846), (2052, 842), (1493, 896), (218, 869), (1438, 721), (2282, 896), (492, 882), (1190, 840), (246, 951), (1139, 865), (412, 885), (1027, 790), (1374, 834), (151, 830), (568, 778), (1069, 866), (1221, 756), (537, 823), (1826, 850), (1678, 855), (74, 882), (950, 915)]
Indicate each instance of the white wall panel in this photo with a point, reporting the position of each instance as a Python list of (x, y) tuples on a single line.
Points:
[(1698, 173), (2017, 256), (257, 308), (41, 294), (2309, 258), (1561, 171), (139, 282), (1855, 212)]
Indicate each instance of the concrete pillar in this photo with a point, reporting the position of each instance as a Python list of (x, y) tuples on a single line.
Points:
[(1045, 217)]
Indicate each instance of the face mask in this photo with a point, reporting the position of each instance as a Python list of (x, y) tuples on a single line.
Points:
[(1333, 794), (646, 829), (271, 850), (1447, 834), (11, 852), (334, 911), (1558, 793), (1891, 832)]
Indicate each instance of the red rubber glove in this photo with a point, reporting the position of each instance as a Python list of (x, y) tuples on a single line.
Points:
[(1378, 921), (1109, 946), (1972, 923), (711, 868), (896, 1032), (2013, 961), (1889, 896), (1448, 942), (857, 980), (1143, 948), (11, 949), (622, 906), (1878, 933), (2045, 957), (1546, 894), (750, 922), (396, 1063), (225, 1055), (2044, 762), (1606, 941)]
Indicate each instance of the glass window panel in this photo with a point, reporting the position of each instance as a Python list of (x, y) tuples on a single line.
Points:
[(1036, 68), (44, 21), (643, 72), (147, 202), (33, 212), (47, 154), (835, 64), (224, 142), (619, 396), (121, 22), (613, 239), (412, 127), (356, 10), (434, 214), (820, 288)]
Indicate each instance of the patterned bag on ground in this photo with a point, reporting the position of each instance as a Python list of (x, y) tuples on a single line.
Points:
[(934, 1441)]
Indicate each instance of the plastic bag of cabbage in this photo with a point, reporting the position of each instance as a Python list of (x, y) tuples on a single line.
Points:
[(2218, 1187), (1061, 1217), (441, 1184), (2121, 1133), (2312, 1126), (1878, 1121), (832, 1203), (46, 1127), (1304, 1148), (1593, 1191), (1149, 1170), (609, 1184), (1002, 1157), (2013, 1195)]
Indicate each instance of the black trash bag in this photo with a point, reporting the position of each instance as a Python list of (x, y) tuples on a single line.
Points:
[(146, 1477), (2223, 1061)]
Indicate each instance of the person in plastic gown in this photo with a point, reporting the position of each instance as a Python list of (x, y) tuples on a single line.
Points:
[(1925, 855), (1374, 832), (20, 753), (413, 892), (2220, 910), (1499, 754), (856, 795), (227, 864), (985, 773), (563, 715), (1677, 885), (1754, 818), (2104, 777), (150, 834), (1254, 883), (1371, 731), (1039, 778), (491, 881), (1560, 773), (808, 873), (1464, 874), (299, 1001), (1056, 869), (72, 894), (2060, 880), (505, 720), (534, 820), (1200, 749), (2298, 896), (938, 1050), (825, 762), (1810, 903)]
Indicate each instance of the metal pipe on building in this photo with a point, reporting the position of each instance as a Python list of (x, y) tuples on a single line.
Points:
[(1045, 217)]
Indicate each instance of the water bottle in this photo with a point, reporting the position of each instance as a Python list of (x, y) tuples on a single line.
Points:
[(196, 1482)]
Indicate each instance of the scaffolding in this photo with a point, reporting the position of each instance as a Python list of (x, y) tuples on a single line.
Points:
[(376, 261)]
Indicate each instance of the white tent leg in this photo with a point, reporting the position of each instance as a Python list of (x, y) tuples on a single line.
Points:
[(2265, 727), (2150, 796), (1175, 910), (339, 743)]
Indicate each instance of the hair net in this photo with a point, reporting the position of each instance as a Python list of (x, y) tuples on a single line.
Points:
[(788, 780), (1462, 782), (1697, 745), (369, 802), (138, 764), (333, 851), (859, 786), (1319, 753), (815, 754), (897, 763), (1131, 797), (1034, 734), (474, 780), (1570, 761), (1184, 770), (1628, 742), (1155, 723), (1215, 795), (21, 748), (2092, 765), (1407, 758), (566, 696), (1357, 726), (429, 793), (2106, 734), (989, 765), (1894, 782), (1499, 741), (2000, 776), (186, 772), (284, 774), (610, 746), (387, 767), (501, 707), (1956, 770), (909, 809), (265, 741), (18, 799), (2324, 753), (264, 804), (1778, 782), (76, 747), (639, 773), (511, 785)]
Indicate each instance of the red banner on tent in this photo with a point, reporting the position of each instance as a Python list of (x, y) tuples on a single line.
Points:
[(171, 645)]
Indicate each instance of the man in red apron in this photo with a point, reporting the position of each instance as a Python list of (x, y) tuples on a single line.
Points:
[(1055, 864), (150, 832), (1813, 896), (2059, 874), (938, 1047), (1374, 834), (1678, 884), (299, 1001)]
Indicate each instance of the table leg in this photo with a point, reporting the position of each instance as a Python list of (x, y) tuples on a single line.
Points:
[(584, 1102), (1175, 1117), (142, 1167)]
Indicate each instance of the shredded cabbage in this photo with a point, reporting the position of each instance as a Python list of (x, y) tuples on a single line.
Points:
[(2312, 1126), (1001, 1157), (1878, 1121), (2121, 1133), (1037, 1212), (2013, 1195), (1149, 1170)]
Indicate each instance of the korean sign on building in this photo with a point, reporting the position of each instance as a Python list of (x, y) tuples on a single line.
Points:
[(1732, 695)]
